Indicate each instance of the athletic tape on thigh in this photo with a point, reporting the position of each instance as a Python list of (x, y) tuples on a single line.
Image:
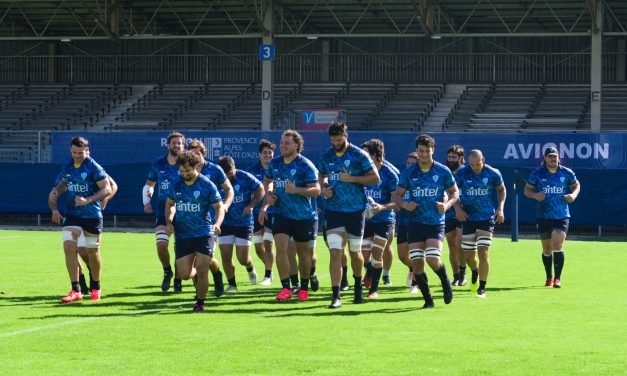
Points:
[(162, 236), (257, 239), (334, 241), (81, 240), (267, 236), (366, 243), (558, 250), (417, 254), (92, 242), (484, 241), (66, 235), (354, 244), (377, 246), (377, 237), (469, 244), (227, 239), (240, 242), (433, 252)]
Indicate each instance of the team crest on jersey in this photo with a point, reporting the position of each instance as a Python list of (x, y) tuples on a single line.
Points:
[(293, 172), (562, 179), (84, 175), (236, 187), (347, 163), (435, 177), (485, 180), (196, 194)]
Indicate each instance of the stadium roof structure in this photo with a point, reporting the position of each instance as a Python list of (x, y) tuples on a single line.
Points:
[(176, 19)]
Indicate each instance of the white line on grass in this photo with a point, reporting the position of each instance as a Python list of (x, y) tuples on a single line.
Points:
[(80, 321), (11, 237)]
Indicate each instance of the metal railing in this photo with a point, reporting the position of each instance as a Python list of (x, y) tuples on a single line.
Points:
[(337, 67), (25, 146)]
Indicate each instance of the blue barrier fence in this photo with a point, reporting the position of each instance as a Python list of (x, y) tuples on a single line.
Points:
[(599, 160)]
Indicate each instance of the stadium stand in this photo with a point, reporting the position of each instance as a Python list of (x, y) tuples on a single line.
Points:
[(614, 108)]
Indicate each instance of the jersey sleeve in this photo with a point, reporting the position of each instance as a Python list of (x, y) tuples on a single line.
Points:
[(571, 179), (268, 172), (252, 181), (322, 165), (311, 173), (152, 173), (449, 180), (98, 172), (459, 179), (393, 183), (403, 181), (214, 195), (533, 178), (366, 163), (498, 178)]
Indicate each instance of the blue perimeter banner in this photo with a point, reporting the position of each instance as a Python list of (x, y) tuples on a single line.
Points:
[(577, 150)]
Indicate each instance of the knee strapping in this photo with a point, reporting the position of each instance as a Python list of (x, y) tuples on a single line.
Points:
[(67, 235), (484, 241), (267, 236), (433, 252), (375, 262), (417, 254), (334, 241), (354, 244), (162, 236), (92, 242), (469, 245), (257, 239)]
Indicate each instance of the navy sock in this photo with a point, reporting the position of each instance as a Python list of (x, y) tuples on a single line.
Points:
[(232, 282), (376, 275), (462, 272), (336, 292), (548, 267), (268, 273), (344, 275), (250, 268), (95, 285), (285, 282), (475, 275), (442, 273), (482, 285), (558, 261), (294, 280), (357, 281), (76, 286), (304, 284), (312, 271), (167, 269), (369, 268), (200, 301), (424, 287)]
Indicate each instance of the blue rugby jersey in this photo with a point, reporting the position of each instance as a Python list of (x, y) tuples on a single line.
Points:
[(244, 187), (382, 194), (347, 197), (82, 181), (193, 203), (555, 186), (301, 172), (259, 172), (477, 191), (426, 188), (163, 174)]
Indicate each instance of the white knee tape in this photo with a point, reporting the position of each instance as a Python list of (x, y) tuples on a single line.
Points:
[(377, 246), (267, 236), (433, 252), (226, 240), (162, 236), (240, 242), (366, 243), (354, 244), (257, 239), (469, 246), (312, 244), (380, 238), (81, 240), (484, 241), (67, 236), (417, 254), (92, 242), (334, 241), (374, 261)]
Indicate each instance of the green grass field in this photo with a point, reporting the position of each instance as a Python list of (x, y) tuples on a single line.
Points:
[(520, 328)]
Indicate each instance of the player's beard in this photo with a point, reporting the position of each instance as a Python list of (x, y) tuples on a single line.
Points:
[(173, 153), (341, 148), (453, 166)]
